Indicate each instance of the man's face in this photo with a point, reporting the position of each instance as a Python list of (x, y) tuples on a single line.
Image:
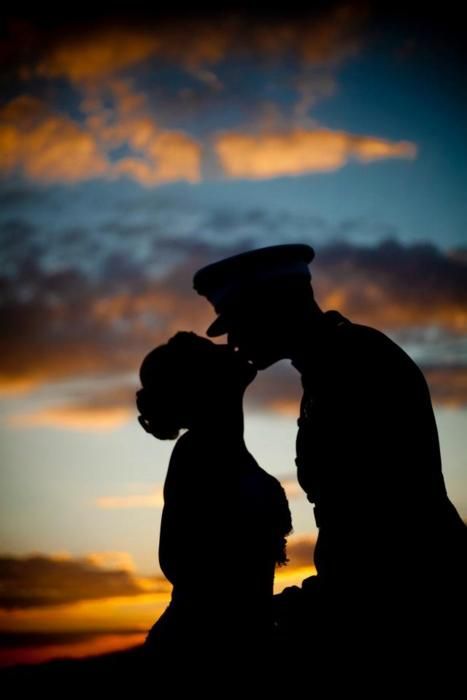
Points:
[(254, 332)]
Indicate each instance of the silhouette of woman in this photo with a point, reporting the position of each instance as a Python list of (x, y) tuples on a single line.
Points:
[(225, 519)]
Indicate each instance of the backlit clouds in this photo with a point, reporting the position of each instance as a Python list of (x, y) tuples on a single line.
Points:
[(169, 157), (68, 325), (160, 156), (49, 147), (46, 147), (393, 286), (64, 325), (98, 54), (46, 581), (296, 152), (43, 581), (55, 606), (125, 74)]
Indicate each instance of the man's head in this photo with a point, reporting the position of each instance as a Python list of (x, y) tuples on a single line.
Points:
[(260, 296)]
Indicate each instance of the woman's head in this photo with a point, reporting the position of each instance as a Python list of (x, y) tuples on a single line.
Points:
[(186, 378)]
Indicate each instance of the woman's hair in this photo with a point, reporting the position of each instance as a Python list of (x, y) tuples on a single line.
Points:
[(185, 368)]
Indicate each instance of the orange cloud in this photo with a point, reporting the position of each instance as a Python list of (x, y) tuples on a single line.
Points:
[(98, 54), (168, 157), (160, 155), (49, 147), (114, 613), (300, 151), (43, 581), (46, 147), (369, 149), (57, 605)]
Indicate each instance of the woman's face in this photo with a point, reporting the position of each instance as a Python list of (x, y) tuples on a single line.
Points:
[(177, 393)]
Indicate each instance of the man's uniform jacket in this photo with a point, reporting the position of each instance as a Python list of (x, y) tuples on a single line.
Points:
[(369, 461)]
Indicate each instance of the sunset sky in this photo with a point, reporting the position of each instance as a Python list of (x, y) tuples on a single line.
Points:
[(136, 149)]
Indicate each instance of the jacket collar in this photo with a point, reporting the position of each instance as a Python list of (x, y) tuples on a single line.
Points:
[(316, 342)]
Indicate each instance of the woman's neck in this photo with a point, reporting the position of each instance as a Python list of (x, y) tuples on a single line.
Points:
[(221, 421)]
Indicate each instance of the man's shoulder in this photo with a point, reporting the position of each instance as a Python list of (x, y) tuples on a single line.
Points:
[(353, 348), (367, 337)]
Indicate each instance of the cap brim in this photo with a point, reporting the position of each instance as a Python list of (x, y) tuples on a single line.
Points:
[(218, 327)]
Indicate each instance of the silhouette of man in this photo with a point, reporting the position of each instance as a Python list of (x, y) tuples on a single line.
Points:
[(391, 549)]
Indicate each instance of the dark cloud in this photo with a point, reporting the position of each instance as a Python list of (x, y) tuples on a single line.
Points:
[(38, 581), (65, 323), (79, 304), (325, 31), (322, 30), (54, 328), (393, 285)]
